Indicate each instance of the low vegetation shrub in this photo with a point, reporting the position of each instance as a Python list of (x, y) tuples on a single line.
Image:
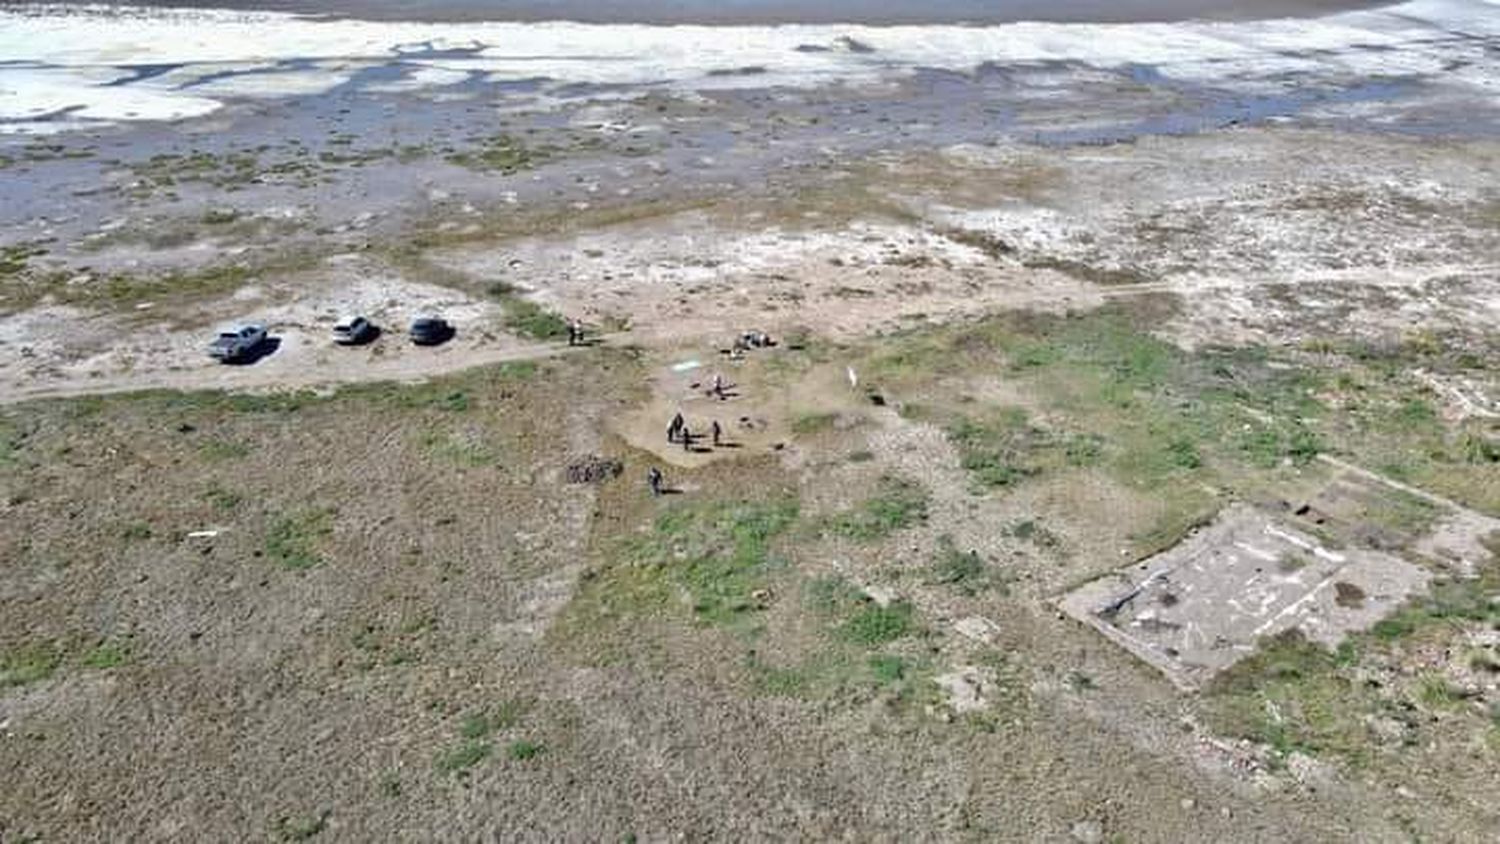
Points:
[(898, 504)]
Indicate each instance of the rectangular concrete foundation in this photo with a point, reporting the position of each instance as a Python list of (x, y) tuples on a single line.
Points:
[(1199, 607)]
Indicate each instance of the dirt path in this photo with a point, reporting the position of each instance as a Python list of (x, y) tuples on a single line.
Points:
[(293, 371)]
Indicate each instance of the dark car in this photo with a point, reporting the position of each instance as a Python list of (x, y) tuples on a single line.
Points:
[(354, 331), (430, 330)]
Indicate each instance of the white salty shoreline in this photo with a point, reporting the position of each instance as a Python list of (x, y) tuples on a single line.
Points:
[(73, 62)]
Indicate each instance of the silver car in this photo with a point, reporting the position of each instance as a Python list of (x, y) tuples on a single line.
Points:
[(354, 331)]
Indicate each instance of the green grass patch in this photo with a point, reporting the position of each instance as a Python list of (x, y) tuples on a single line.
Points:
[(27, 664), (460, 759), (1436, 692), (15, 258), (999, 451), (11, 442), (123, 289), (502, 153), (964, 571), (841, 671), (136, 532), (220, 449), (848, 662), (523, 749), (502, 716), (888, 669), (528, 319), (726, 554), (715, 555), (874, 625), (1408, 515), (897, 505), (830, 593), (803, 680), (219, 401), (1034, 532), (105, 655), (1112, 396), (475, 731), (813, 423), (458, 449), (292, 541), (439, 394), (1292, 696), (223, 499)]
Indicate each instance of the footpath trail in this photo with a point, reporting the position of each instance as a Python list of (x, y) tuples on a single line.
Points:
[(294, 371)]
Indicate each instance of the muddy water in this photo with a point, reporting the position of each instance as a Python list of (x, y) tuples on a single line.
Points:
[(796, 11)]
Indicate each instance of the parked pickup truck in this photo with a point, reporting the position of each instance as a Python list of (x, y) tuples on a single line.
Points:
[(237, 344)]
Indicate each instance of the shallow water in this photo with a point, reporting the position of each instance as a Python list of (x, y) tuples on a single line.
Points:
[(791, 11)]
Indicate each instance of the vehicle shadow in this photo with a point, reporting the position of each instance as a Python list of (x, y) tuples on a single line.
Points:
[(266, 348)]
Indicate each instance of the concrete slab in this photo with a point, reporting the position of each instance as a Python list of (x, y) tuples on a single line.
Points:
[(1203, 605)]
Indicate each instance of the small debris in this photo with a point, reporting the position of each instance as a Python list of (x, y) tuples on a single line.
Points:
[(977, 628), (965, 688), (1087, 832), (593, 469)]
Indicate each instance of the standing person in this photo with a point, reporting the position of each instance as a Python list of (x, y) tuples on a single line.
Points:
[(653, 481), (718, 431), (687, 438), (575, 332), (677, 426)]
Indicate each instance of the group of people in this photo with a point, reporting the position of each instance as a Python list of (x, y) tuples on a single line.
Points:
[(678, 431)]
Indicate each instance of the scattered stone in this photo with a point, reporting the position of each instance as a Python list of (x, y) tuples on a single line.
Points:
[(1087, 832), (1388, 731), (979, 629), (965, 688), (1308, 771), (594, 470)]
